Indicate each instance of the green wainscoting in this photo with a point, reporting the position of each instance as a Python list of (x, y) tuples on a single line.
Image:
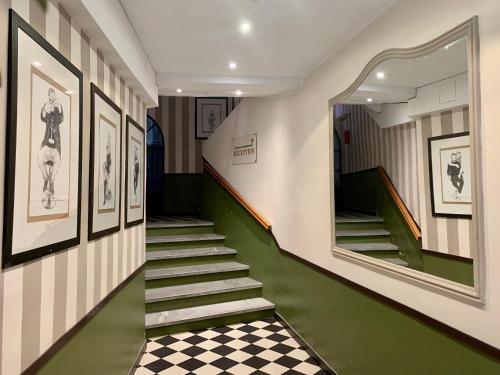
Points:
[(182, 194), (353, 332), (110, 342), (455, 269)]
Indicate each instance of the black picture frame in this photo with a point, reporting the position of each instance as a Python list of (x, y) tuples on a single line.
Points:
[(198, 100), (94, 90), (131, 122), (9, 259), (431, 176)]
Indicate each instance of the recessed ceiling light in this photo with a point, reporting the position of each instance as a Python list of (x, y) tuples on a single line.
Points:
[(233, 65), (245, 27), (380, 75), (369, 100), (178, 91), (238, 93), (37, 64)]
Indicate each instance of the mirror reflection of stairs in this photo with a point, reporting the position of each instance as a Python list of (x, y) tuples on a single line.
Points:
[(363, 233), (193, 281)]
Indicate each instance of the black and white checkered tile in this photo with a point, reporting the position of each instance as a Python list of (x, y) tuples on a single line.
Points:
[(261, 347)]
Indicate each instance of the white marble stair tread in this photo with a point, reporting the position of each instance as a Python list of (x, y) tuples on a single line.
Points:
[(362, 233), (185, 238), (202, 269), (191, 223), (200, 289), (358, 219), (396, 261), (198, 313), (189, 253), (362, 247)]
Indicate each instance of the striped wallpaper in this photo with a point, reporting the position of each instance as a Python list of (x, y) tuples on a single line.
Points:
[(393, 148), (402, 151), (43, 299), (451, 236), (176, 117)]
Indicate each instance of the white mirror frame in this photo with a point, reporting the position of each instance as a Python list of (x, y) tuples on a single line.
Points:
[(474, 294)]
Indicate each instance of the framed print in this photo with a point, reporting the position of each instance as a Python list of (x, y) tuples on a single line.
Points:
[(209, 114), (134, 177), (43, 150), (105, 165), (450, 175)]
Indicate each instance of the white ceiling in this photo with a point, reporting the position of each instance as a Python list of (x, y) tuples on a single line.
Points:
[(404, 76), (191, 42)]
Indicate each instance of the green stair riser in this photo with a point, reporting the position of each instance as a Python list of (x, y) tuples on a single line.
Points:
[(209, 323), (363, 239), (189, 261), (354, 226), (176, 231), (182, 245), (378, 253), (158, 283), (203, 300)]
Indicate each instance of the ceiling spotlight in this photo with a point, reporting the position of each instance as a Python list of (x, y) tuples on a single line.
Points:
[(245, 27), (37, 64), (233, 65), (178, 91), (380, 75), (238, 93), (369, 100)]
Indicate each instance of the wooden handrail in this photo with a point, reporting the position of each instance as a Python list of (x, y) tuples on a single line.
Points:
[(410, 221), (232, 191)]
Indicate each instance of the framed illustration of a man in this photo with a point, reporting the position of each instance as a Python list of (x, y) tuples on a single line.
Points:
[(450, 175), (135, 173), (43, 148), (105, 165), (210, 112)]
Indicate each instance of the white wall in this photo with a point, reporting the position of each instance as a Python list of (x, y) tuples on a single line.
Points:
[(290, 183), (390, 114)]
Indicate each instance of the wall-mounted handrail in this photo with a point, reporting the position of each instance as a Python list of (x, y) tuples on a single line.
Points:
[(232, 191), (410, 221)]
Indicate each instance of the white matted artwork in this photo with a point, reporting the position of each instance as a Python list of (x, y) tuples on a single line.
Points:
[(210, 113), (105, 165), (43, 164), (451, 175), (135, 172)]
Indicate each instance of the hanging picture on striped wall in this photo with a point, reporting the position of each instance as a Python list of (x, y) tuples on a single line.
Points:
[(105, 165), (450, 175), (134, 177), (43, 165), (210, 113)]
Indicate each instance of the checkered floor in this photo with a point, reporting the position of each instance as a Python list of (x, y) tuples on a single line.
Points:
[(261, 347)]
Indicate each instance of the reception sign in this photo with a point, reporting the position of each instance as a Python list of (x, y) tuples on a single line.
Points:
[(245, 149)]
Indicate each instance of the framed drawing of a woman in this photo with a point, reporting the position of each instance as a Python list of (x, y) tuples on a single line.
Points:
[(134, 177)]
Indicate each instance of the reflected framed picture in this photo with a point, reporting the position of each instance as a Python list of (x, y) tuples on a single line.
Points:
[(451, 175), (135, 172), (43, 148), (209, 114), (105, 165)]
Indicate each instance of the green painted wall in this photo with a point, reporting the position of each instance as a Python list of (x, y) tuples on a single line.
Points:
[(354, 333), (461, 271), (182, 194), (110, 342)]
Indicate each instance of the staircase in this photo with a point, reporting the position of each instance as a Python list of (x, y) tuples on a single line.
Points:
[(365, 234), (193, 281)]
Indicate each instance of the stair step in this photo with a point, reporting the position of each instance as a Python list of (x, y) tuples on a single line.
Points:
[(396, 261), (177, 223), (203, 269), (200, 289), (366, 247), (362, 233), (195, 314), (184, 238), (358, 219), (189, 253)]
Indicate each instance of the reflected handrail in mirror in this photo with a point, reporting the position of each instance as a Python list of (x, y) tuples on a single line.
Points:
[(405, 212)]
